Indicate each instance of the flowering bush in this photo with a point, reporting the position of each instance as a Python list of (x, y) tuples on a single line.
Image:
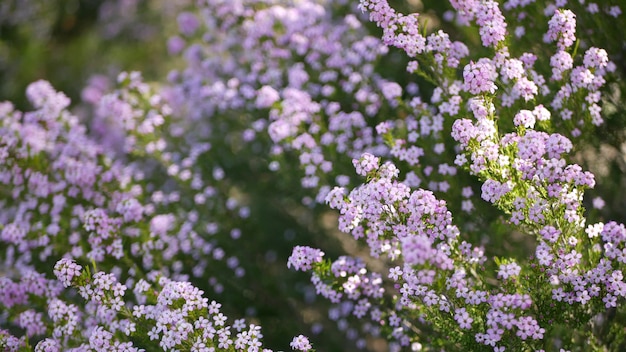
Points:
[(138, 224)]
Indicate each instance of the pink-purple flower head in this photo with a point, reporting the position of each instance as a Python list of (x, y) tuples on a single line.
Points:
[(366, 164), (524, 118), (188, 23), (401, 31), (417, 249), (509, 270), (562, 29), (492, 23), (479, 77), (300, 343), (493, 190), (66, 270), (266, 96), (463, 318), (303, 257), (561, 62), (43, 96)]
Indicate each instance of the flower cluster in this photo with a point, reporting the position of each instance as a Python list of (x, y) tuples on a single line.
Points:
[(140, 223), (562, 29), (174, 315), (525, 172), (88, 210), (479, 77), (417, 229)]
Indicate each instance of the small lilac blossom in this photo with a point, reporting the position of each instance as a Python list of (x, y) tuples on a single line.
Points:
[(561, 62), (66, 270), (492, 23), (562, 29), (479, 77), (463, 318), (366, 164), (188, 23), (300, 343), (524, 118), (509, 270), (304, 257)]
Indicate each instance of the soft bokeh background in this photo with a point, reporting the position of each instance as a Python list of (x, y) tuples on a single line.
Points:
[(79, 43)]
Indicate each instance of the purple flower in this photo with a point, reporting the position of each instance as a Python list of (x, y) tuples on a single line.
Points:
[(524, 118), (48, 345), (43, 96), (188, 23), (417, 249), (366, 164), (479, 77), (391, 91), (561, 62), (463, 131), (65, 270), (509, 270), (562, 28), (302, 258), (300, 343), (493, 190), (492, 23), (463, 318), (175, 45)]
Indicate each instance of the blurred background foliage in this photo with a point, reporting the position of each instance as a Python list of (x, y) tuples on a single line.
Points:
[(68, 42)]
